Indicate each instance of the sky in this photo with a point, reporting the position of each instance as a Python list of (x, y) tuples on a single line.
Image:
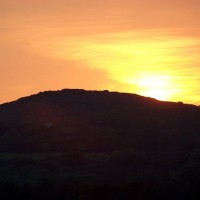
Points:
[(147, 47)]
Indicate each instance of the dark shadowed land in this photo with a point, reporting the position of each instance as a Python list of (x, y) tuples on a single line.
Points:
[(82, 145)]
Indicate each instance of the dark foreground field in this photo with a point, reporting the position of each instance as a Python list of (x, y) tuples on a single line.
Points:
[(83, 145)]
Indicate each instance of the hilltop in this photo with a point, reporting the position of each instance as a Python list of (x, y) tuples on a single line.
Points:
[(85, 140)]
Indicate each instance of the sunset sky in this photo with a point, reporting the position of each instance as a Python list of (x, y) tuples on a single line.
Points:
[(148, 47)]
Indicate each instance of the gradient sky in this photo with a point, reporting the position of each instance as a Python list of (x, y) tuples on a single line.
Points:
[(148, 47)]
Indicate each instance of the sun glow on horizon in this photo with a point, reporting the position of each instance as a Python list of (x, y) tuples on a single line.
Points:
[(155, 86)]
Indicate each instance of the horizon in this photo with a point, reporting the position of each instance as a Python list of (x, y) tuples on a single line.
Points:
[(85, 90), (146, 48)]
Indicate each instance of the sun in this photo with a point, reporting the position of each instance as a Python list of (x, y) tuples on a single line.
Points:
[(157, 94), (155, 86)]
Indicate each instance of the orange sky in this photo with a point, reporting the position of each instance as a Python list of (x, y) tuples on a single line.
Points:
[(147, 47)]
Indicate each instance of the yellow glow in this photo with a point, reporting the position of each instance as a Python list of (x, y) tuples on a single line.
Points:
[(157, 93), (154, 81), (156, 86)]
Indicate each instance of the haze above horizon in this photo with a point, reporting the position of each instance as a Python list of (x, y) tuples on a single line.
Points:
[(150, 48)]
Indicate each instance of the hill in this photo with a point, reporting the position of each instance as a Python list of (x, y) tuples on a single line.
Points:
[(79, 144)]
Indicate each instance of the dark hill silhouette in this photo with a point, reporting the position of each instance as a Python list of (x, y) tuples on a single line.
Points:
[(77, 142)]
